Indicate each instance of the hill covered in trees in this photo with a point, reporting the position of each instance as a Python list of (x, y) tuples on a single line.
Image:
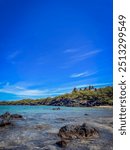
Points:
[(87, 97)]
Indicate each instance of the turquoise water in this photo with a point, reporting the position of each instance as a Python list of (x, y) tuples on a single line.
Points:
[(48, 114), (49, 109), (41, 125)]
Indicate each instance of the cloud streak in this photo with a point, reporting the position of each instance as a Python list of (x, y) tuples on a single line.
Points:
[(71, 50), (13, 55), (77, 55), (83, 56), (21, 91), (82, 74), (24, 92)]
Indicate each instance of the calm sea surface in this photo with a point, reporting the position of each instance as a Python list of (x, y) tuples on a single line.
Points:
[(49, 112), (49, 109)]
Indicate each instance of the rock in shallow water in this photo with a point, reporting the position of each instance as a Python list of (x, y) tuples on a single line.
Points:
[(11, 116), (16, 116), (77, 132), (4, 123), (6, 118), (61, 143), (58, 108)]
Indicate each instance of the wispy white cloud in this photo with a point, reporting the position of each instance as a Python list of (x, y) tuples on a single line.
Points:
[(75, 50), (26, 92), (70, 50), (21, 91), (83, 56), (13, 55), (77, 55), (82, 74)]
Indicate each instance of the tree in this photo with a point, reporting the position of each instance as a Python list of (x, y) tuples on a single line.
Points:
[(74, 90), (85, 89), (90, 87), (95, 89)]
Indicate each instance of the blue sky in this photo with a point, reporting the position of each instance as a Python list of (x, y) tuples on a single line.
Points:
[(48, 47)]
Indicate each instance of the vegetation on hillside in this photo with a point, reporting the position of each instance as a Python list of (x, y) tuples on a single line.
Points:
[(88, 96)]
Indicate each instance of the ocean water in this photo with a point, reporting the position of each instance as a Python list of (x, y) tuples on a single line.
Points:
[(46, 114), (39, 128), (32, 110)]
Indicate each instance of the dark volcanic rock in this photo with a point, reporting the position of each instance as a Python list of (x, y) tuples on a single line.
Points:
[(77, 132), (76, 102), (61, 143), (86, 114), (6, 118), (64, 102), (7, 115), (4, 123), (16, 116), (58, 108), (61, 119)]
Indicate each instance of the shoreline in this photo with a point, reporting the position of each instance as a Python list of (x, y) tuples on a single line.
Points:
[(107, 106), (102, 106)]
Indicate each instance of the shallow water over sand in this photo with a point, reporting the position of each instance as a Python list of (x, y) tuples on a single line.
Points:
[(38, 130)]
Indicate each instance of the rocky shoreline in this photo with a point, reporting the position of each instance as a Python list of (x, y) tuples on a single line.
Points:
[(62, 102), (77, 131), (66, 133)]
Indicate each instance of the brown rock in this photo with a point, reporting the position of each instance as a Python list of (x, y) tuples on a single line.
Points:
[(77, 132), (4, 123), (6, 118), (16, 116), (62, 143), (58, 108)]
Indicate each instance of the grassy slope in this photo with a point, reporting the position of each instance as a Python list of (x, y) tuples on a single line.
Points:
[(88, 96)]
